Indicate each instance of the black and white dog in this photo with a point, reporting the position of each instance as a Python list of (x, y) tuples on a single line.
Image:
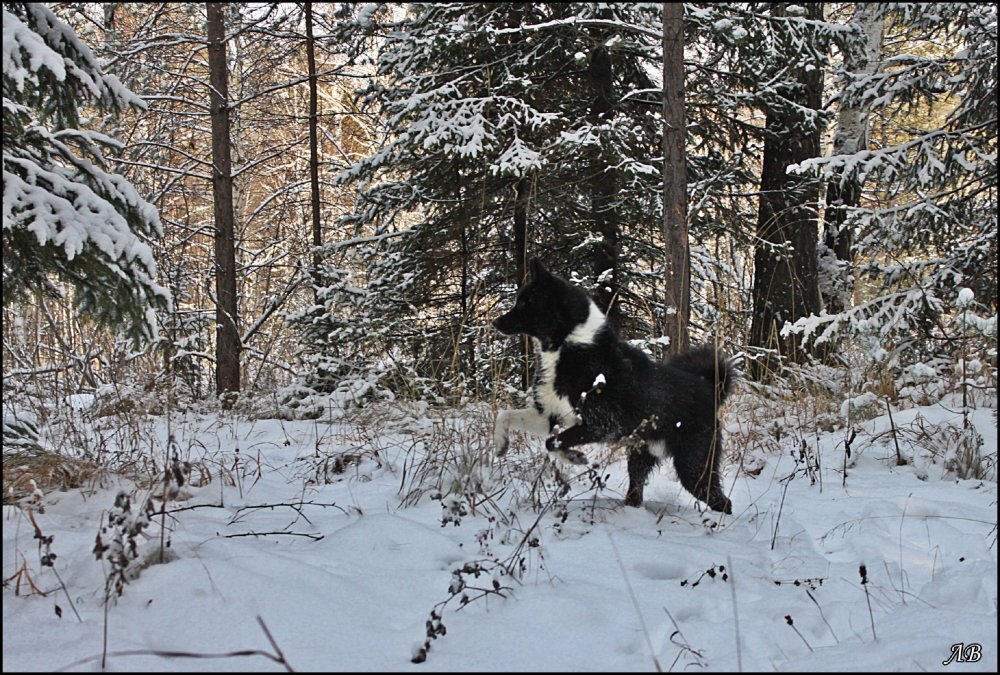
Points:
[(592, 387)]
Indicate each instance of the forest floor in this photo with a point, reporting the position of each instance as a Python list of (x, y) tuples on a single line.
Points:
[(356, 543)]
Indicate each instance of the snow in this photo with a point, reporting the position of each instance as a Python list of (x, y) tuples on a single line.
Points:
[(56, 183), (20, 41), (366, 13), (738, 33), (25, 52), (80, 401), (344, 563), (517, 159), (726, 27)]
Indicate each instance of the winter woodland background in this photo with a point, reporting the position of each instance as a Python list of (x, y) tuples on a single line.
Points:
[(300, 219)]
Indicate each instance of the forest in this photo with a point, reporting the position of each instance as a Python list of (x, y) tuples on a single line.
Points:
[(252, 256)]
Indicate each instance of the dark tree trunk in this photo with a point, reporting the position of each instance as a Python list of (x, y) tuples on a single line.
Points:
[(677, 271), (464, 349), (603, 190), (785, 284), (317, 234), (521, 192), (227, 348)]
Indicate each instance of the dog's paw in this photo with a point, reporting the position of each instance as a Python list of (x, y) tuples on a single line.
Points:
[(721, 504), (500, 440), (554, 445), (570, 456)]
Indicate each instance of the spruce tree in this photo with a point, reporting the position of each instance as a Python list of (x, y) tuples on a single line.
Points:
[(67, 217), (927, 225), (748, 64), (511, 127)]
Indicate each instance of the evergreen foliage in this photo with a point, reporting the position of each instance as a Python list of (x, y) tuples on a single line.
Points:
[(928, 225), (484, 103), (66, 217), (497, 114), (483, 134)]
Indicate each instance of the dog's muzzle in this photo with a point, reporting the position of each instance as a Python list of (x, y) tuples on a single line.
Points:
[(502, 324)]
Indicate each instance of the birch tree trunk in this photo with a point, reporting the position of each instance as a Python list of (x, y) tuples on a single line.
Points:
[(851, 136)]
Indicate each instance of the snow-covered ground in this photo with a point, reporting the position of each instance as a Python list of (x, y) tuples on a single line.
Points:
[(343, 537)]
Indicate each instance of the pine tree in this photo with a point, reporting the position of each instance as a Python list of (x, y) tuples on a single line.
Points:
[(227, 331), (170, 155), (675, 231), (67, 219), (746, 63)]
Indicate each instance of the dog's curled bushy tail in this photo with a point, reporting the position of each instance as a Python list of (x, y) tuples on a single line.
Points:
[(712, 365)]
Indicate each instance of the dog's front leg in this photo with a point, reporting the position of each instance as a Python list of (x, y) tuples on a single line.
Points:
[(563, 442), (528, 420)]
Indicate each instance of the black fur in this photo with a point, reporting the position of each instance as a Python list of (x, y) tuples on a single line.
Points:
[(651, 405)]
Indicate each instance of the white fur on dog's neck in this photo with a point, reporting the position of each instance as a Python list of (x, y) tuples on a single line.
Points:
[(553, 405), (586, 333)]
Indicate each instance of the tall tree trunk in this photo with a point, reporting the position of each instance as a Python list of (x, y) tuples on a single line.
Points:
[(785, 286), (317, 234), (521, 192), (851, 135), (227, 348), (469, 345), (464, 349), (677, 270), (603, 190)]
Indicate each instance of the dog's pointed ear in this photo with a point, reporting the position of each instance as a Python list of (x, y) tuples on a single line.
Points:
[(538, 270)]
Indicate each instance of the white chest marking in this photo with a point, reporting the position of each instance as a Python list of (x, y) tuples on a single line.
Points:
[(657, 448), (585, 333), (552, 404)]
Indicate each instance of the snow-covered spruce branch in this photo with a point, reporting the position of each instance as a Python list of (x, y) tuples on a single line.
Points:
[(869, 160), (892, 311)]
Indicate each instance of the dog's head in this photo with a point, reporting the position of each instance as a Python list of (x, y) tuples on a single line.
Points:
[(547, 308)]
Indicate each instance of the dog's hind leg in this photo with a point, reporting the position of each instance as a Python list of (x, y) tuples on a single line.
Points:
[(640, 463), (527, 419), (698, 468)]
